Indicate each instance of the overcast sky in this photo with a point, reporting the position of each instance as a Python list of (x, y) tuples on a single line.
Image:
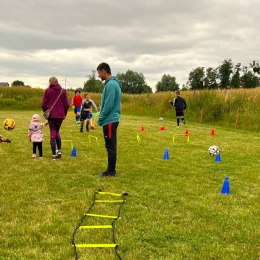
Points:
[(40, 39)]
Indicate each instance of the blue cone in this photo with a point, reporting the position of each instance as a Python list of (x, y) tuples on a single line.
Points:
[(166, 155), (226, 188), (218, 158), (73, 152)]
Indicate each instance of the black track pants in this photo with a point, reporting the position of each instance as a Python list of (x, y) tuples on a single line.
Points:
[(109, 132), (39, 145)]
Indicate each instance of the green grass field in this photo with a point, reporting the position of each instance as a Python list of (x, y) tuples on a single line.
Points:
[(175, 209)]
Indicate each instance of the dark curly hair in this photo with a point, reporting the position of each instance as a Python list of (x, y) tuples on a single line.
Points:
[(77, 90)]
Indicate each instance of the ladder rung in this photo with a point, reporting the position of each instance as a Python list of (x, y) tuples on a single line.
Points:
[(109, 193), (96, 245), (99, 226), (101, 216), (111, 201)]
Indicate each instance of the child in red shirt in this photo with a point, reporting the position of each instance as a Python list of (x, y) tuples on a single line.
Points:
[(76, 103)]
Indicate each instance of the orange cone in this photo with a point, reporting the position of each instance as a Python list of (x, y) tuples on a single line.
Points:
[(186, 132), (212, 132), (162, 128), (142, 128)]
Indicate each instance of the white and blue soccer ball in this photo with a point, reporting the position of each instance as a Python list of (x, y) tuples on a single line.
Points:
[(214, 150)]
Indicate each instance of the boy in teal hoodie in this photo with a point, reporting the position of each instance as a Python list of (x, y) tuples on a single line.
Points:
[(109, 117)]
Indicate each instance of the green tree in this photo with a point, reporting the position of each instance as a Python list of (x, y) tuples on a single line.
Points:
[(235, 80), (224, 72), (196, 78), (255, 66), (17, 83), (92, 84), (133, 82), (249, 80), (73, 89), (210, 81), (167, 83)]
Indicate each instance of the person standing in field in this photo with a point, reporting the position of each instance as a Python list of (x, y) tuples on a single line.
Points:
[(76, 105), (109, 116), (85, 115), (35, 135), (180, 106), (56, 99)]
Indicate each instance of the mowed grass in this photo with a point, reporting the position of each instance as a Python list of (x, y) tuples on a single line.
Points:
[(175, 209)]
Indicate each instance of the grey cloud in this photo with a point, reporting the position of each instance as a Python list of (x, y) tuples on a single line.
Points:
[(154, 37)]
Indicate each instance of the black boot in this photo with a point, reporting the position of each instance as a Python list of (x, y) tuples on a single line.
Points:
[(81, 126)]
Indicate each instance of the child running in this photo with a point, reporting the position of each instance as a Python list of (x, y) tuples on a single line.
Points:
[(180, 105), (35, 134), (85, 112), (95, 106), (76, 103)]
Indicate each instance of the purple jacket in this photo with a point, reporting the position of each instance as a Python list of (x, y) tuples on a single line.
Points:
[(62, 105)]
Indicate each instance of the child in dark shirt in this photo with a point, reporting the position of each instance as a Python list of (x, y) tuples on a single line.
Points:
[(85, 115), (180, 105)]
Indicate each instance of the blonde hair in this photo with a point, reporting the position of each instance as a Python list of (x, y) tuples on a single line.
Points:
[(53, 79)]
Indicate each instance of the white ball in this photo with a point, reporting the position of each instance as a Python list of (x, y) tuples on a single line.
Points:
[(214, 150), (161, 118)]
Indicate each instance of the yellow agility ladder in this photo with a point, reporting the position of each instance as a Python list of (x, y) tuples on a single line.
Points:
[(111, 226)]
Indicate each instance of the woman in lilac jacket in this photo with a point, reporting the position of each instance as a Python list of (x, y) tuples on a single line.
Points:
[(58, 112)]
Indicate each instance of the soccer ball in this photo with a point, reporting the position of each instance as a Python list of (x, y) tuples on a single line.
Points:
[(161, 119), (214, 150), (9, 124)]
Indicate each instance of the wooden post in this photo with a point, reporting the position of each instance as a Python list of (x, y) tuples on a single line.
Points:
[(201, 114), (237, 115), (141, 110)]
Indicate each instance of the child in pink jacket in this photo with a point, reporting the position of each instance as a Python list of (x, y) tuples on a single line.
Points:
[(35, 134)]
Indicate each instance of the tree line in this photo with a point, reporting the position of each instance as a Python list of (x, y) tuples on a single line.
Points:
[(227, 75)]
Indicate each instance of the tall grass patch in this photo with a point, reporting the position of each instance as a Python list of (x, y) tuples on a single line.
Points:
[(236, 108)]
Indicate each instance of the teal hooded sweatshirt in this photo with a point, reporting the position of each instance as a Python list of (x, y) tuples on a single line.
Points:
[(110, 102)]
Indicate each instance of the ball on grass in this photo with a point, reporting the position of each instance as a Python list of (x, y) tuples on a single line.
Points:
[(214, 150), (9, 124)]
